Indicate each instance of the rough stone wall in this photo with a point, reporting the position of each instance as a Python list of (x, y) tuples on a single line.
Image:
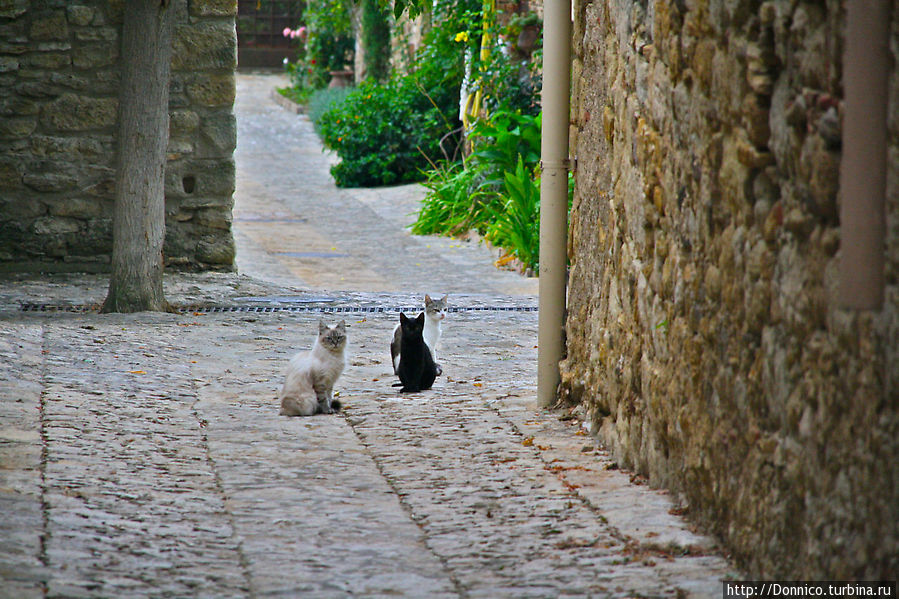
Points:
[(703, 328), (59, 75)]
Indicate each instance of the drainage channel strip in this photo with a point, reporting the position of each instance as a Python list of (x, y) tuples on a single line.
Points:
[(274, 309)]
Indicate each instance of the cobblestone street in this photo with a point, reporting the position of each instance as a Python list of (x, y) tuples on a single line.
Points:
[(143, 455)]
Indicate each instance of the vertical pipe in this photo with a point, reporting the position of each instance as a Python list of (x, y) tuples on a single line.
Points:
[(866, 72), (553, 195)]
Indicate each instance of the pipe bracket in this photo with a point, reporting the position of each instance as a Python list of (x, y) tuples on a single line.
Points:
[(555, 164)]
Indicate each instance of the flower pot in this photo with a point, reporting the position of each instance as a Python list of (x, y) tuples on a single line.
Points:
[(341, 79), (527, 39)]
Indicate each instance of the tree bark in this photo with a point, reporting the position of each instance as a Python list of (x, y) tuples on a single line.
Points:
[(143, 131)]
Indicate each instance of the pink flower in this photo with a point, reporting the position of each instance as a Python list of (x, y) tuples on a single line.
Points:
[(286, 32)]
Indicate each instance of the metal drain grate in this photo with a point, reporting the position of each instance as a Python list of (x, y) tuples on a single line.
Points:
[(273, 309)]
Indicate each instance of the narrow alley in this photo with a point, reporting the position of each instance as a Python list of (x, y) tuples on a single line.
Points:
[(143, 455)]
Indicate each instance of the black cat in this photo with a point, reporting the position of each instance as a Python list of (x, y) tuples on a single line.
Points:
[(416, 370)]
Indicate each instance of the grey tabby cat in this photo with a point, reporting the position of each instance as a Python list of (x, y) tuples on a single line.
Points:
[(311, 375)]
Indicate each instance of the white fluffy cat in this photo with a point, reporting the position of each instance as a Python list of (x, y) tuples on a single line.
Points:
[(311, 375), (435, 312)]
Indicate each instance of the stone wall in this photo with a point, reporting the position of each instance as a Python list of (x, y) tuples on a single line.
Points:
[(703, 329), (59, 74)]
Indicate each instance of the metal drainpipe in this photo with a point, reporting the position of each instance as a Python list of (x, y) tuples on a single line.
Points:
[(866, 72), (553, 196)]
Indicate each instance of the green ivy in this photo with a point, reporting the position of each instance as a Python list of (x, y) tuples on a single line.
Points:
[(375, 21)]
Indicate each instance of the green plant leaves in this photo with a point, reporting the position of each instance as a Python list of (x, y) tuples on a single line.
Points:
[(516, 228)]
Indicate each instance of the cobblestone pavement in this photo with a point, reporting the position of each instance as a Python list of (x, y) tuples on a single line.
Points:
[(143, 455)]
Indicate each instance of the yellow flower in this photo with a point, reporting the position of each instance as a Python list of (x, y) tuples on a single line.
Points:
[(462, 36)]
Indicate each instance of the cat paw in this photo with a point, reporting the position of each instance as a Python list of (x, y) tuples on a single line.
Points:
[(439, 369)]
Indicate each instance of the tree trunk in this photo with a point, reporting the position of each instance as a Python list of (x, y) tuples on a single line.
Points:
[(143, 131)]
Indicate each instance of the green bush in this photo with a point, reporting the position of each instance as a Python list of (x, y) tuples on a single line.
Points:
[(457, 202), (476, 190), (389, 133), (382, 134), (499, 142), (320, 101), (516, 226), (497, 192)]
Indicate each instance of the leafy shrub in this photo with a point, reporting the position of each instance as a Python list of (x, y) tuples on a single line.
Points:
[(516, 227), (382, 133), (476, 189), (320, 101), (456, 203), (390, 133), (499, 141)]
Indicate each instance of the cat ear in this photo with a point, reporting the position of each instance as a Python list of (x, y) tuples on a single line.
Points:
[(403, 317), (420, 320), (322, 327), (444, 297), (341, 326), (428, 299)]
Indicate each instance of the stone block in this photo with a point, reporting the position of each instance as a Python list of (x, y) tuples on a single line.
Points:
[(97, 34), (72, 149), (48, 60), (92, 56), (218, 250), (37, 89), (55, 226), (8, 64), (51, 181), (21, 210), (18, 106), (212, 90), (72, 112), (17, 127), (183, 122), (205, 46), (218, 134), (80, 208), (49, 26), (12, 9), (10, 174), (80, 15), (201, 178), (213, 8), (213, 218)]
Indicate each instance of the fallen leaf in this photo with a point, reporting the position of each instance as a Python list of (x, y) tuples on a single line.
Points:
[(478, 384), (138, 371), (528, 441)]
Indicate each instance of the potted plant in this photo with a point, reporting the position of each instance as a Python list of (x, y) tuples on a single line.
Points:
[(524, 32)]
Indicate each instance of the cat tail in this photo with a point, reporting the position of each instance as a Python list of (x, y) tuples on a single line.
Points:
[(336, 405), (298, 406)]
